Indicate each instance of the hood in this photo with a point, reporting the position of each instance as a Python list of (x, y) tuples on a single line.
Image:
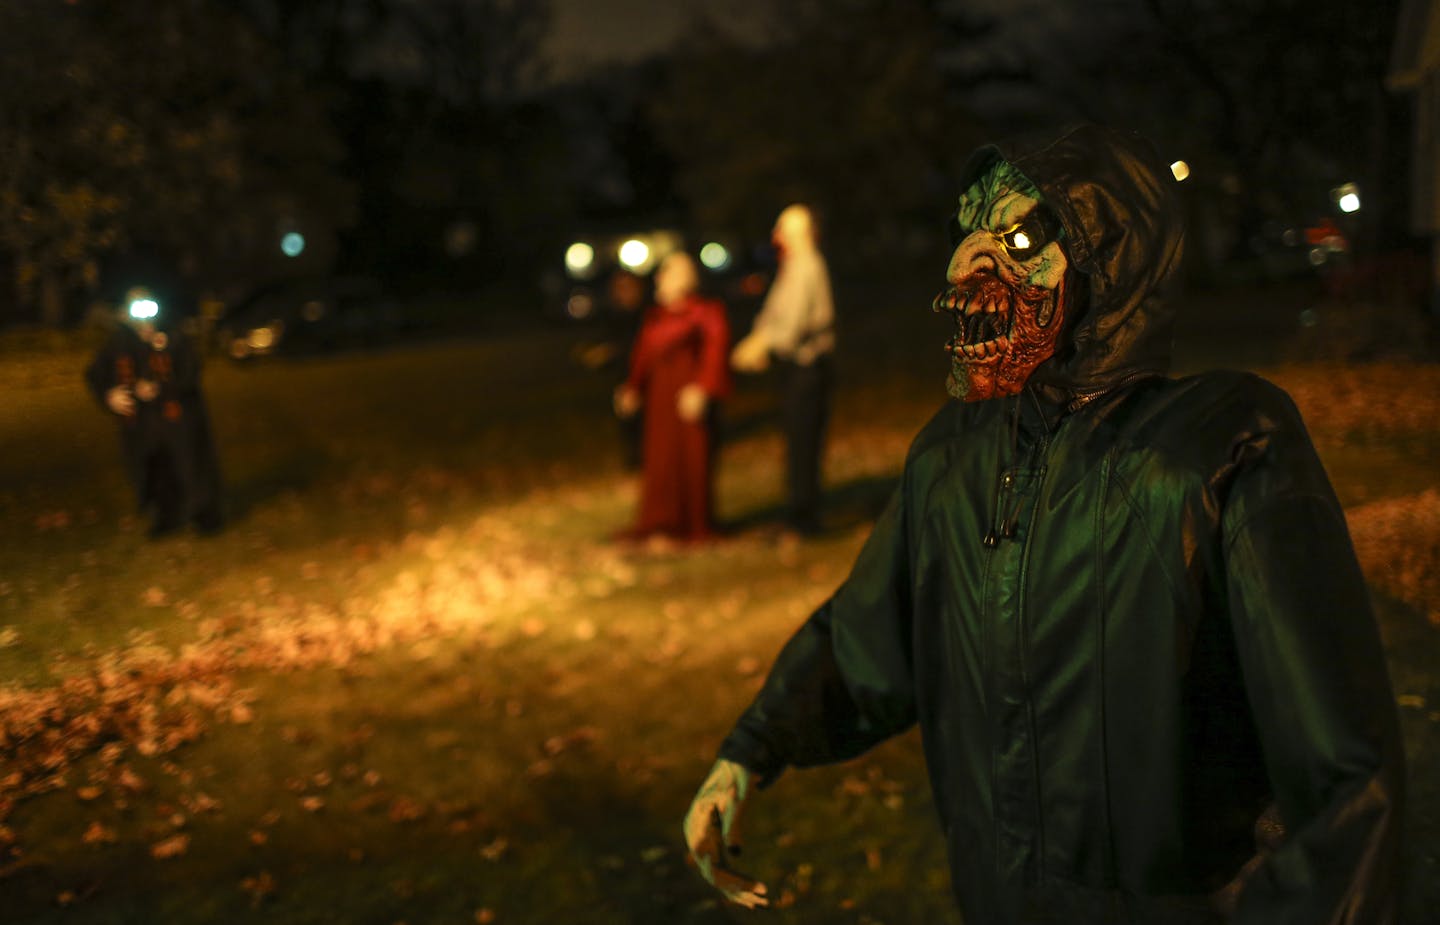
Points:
[(1124, 236)]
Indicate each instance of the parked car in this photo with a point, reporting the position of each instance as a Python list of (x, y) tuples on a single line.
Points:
[(309, 316)]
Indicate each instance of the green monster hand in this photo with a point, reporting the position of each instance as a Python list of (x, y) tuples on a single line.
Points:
[(712, 831)]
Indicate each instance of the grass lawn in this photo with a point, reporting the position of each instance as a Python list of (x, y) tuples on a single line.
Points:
[(413, 682)]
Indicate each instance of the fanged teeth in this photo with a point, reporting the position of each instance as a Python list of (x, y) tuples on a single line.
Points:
[(982, 350)]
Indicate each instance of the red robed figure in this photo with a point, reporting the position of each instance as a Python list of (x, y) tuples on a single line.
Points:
[(683, 341)]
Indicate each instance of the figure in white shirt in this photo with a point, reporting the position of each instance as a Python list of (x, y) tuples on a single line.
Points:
[(795, 331)]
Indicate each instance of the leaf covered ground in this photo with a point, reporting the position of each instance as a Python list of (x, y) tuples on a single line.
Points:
[(415, 682)]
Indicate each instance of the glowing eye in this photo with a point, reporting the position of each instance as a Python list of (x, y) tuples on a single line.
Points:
[(1037, 230), (1020, 240)]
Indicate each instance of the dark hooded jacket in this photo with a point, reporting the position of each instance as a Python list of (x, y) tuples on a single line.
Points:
[(1175, 637)]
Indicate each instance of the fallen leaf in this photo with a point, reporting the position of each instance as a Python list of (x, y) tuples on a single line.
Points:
[(198, 803), (130, 781), (98, 834), (496, 849), (404, 809), (260, 887), (171, 847), (368, 801)]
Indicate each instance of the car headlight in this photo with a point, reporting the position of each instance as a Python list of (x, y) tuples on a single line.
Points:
[(263, 338)]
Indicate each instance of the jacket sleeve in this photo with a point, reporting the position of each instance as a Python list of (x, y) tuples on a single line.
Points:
[(642, 354), (714, 375), (844, 681), (783, 317), (1318, 688)]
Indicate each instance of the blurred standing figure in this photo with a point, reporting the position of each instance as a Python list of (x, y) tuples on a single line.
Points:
[(677, 373), (148, 377), (796, 330)]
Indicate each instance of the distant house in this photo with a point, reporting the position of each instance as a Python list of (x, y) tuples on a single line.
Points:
[(1415, 71)]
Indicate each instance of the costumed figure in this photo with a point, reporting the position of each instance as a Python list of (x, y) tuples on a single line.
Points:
[(677, 375), (147, 375), (795, 332), (1123, 608)]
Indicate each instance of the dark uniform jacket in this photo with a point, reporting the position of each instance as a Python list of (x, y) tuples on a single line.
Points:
[(166, 444), (1169, 634)]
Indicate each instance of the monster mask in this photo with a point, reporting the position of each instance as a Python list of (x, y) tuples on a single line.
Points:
[(1008, 290)]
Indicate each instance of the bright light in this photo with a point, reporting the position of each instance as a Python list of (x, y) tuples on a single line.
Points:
[(292, 244), (634, 253), (1022, 240), (715, 256), (144, 308), (579, 256), (1179, 170), (261, 339), (1347, 197)]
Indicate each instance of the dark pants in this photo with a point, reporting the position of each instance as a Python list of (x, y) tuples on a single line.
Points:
[(806, 407)]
